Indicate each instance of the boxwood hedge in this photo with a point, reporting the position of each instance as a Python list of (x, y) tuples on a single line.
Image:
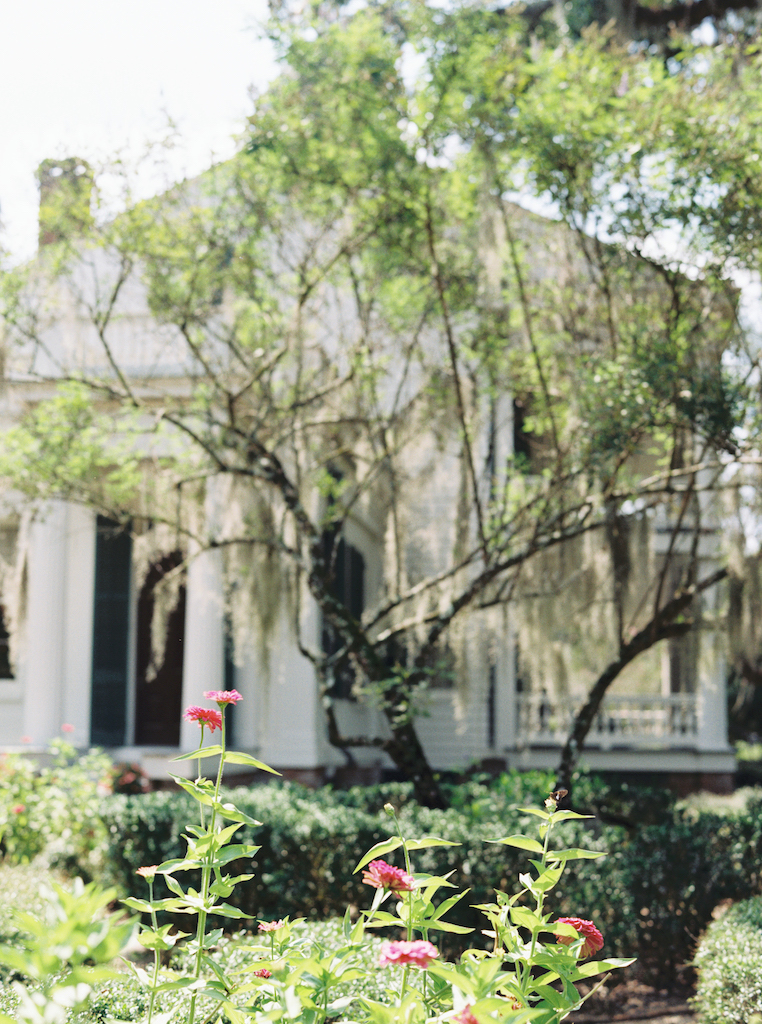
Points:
[(651, 895), (729, 963)]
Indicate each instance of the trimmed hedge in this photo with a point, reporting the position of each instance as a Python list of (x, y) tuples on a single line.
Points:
[(652, 894), (729, 963)]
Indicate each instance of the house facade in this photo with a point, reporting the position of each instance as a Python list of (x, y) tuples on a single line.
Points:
[(80, 627), (82, 652)]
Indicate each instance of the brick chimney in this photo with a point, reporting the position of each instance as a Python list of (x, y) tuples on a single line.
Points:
[(65, 190)]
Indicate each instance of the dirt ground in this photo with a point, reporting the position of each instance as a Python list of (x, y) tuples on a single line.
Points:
[(637, 1004)]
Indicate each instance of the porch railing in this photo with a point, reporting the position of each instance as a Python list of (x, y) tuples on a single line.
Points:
[(669, 721)]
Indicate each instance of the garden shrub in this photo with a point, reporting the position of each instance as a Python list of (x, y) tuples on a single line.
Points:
[(54, 809), (653, 893), (729, 963)]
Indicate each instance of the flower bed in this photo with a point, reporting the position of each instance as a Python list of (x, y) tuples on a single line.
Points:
[(530, 969)]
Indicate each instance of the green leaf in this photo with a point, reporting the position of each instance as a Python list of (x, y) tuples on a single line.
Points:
[(152, 940), (519, 842), (453, 977), (236, 757), (446, 926), (526, 918), (589, 970), (575, 854), (227, 911), (235, 852), (134, 904), (185, 864), (201, 752), (228, 810), (553, 998), (547, 879), (536, 811), (195, 790), (567, 816), (426, 842), (387, 846)]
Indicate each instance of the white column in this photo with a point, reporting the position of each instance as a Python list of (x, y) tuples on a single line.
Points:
[(712, 703), (712, 673), (78, 632), (505, 688), (45, 624), (204, 657), (293, 718)]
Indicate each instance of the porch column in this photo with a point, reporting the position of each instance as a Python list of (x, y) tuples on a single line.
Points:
[(204, 658), (45, 624), (712, 672), (78, 628), (712, 703), (505, 688)]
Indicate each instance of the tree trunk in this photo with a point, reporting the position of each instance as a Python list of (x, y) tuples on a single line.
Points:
[(661, 627), (404, 748)]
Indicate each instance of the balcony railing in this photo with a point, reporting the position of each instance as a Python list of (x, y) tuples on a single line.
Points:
[(668, 721)]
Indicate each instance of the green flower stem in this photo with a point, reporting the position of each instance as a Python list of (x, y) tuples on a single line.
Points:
[(540, 903), (206, 876), (403, 987), (409, 895), (198, 774), (156, 955)]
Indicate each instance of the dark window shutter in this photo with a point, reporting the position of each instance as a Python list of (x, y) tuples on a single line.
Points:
[(111, 617)]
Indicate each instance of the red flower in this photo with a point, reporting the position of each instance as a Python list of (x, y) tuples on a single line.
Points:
[(204, 716), (271, 926), (418, 953), (593, 938), (223, 696), (381, 875), (18, 808), (263, 973), (465, 1016)]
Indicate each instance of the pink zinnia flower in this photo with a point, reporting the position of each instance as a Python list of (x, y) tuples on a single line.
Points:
[(263, 973), (381, 875), (204, 716), (223, 696), (593, 938), (18, 808), (66, 727), (465, 1016), (147, 872), (418, 953), (271, 926)]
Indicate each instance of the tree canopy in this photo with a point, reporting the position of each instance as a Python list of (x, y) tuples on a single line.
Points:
[(365, 312)]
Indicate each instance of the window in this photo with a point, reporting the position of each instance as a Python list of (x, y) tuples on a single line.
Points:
[(348, 587), (532, 451)]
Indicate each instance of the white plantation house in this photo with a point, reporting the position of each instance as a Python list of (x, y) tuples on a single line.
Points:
[(78, 595)]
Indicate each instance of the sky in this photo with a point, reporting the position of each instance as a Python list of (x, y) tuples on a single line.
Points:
[(89, 78)]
